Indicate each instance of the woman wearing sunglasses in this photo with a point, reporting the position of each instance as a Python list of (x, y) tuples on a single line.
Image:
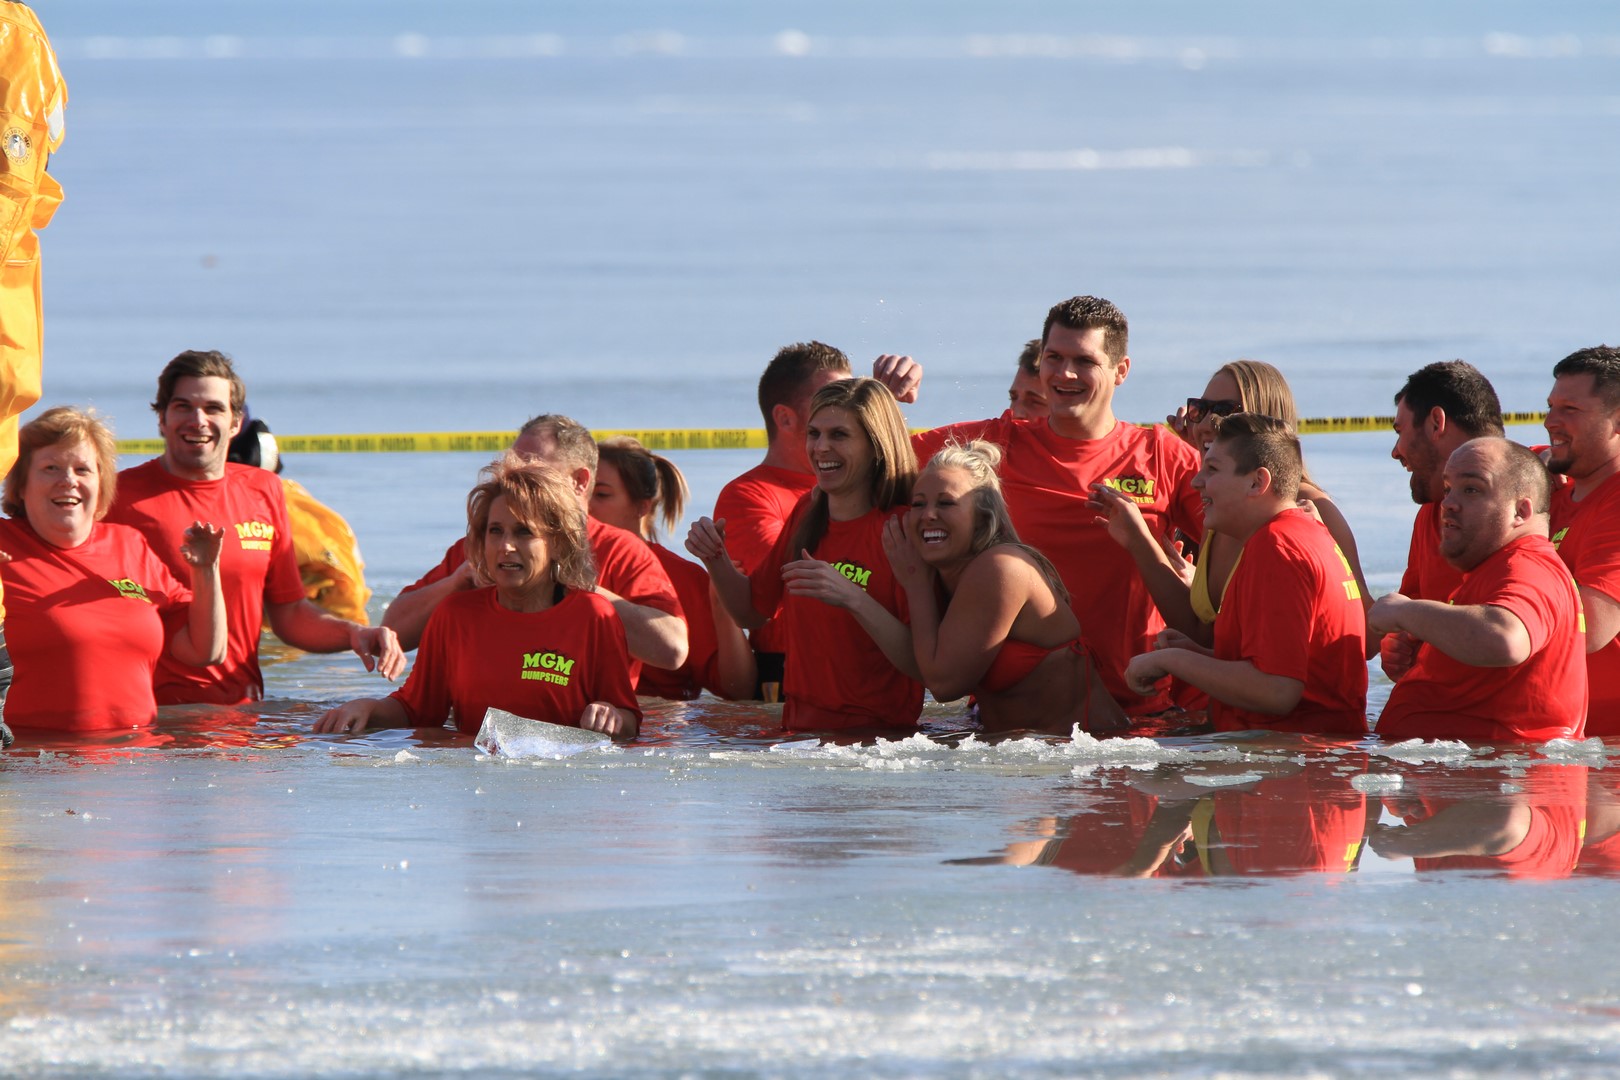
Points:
[(1189, 598)]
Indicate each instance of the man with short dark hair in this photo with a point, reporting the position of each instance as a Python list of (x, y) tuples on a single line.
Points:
[(627, 572), (1442, 406), (199, 407), (1049, 466), (1583, 426), (1503, 656), (1290, 638), (753, 508), (1025, 398)]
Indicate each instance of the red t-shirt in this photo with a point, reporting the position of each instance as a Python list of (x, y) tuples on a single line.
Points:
[(1428, 576), (1587, 536), (702, 668), (85, 627), (257, 565), (1046, 479), (543, 665), (1540, 699), (625, 566), (754, 507), (1292, 608), (836, 676)]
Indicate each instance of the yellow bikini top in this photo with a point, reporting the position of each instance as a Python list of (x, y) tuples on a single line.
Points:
[(1204, 607)]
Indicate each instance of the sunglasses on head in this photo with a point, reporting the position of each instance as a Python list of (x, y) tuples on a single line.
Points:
[(1198, 408)]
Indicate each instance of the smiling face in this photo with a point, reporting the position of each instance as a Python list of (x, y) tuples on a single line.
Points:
[(1584, 432), (1079, 378), (840, 452), (1223, 388), (942, 514), (516, 557), (1417, 449), (1224, 490), (1477, 517), (59, 496), (197, 426)]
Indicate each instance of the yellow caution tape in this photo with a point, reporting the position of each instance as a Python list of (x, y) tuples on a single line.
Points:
[(493, 442)]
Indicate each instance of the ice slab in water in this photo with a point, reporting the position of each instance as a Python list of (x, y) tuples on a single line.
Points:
[(503, 734)]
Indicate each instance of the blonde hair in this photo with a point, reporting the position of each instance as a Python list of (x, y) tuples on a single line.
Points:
[(894, 464), (1262, 390), (542, 498), (647, 478), (64, 425), (992, 522)]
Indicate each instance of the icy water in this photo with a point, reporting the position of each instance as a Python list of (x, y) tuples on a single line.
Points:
[(421, 217)]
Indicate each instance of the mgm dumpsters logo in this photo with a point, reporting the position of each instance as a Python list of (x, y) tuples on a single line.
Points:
[(551, 667)]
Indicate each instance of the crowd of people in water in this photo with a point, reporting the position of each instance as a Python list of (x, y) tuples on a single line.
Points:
[(1058, 567)]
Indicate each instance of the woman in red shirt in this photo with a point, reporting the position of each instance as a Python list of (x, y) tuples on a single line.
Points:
[(634, 488), (850, 664), (539, 642), (87, 601)]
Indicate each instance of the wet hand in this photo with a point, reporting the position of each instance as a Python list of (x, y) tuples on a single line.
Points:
[(201, 543), (909, 569), (819, 580), (901, 374), (378, 648), (1119, 512), (706, 540), (1143, 674), (350, 718), (608, 719), (1384, 617), (1397, 653)]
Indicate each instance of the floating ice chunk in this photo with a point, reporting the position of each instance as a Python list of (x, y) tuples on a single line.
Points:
[(1576, 751), (797, 746), (504, 735), (403, 756), (1223, 779), (1377, 783), (1418, 750)]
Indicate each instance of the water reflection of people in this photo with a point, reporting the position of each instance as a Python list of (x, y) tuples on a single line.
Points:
[(989, 614), (87, 600), (1533, 832), (539, 643)]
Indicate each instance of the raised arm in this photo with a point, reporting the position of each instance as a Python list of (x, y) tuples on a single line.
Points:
[(202, 640), (408, 614), (706, 540)]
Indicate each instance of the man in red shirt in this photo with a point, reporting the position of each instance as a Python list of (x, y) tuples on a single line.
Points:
[(1026, 400), (627, 572), (1441, 407), (1503, 658), (752, 509), (1290, 639), (1583, 426), (1050, 464), (199, 405)]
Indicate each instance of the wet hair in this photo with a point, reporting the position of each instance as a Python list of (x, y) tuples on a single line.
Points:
[(1523, 474), (783, 382), (1087, 313), (1029, 361), (1459, 390), (1263, 390), (575, 448), (199, 365), (64, 425), (992, 522), (1602, 362), (894, 464), (1256, 442), (542, 498), (647, 478)]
